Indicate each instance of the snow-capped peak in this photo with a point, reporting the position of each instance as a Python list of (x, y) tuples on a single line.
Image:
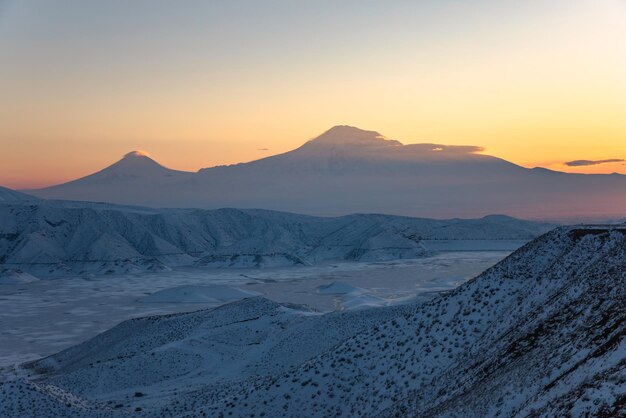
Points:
[(136, 163), (351, 136), (137, 154)]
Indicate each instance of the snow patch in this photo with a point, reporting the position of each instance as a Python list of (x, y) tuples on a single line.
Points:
[(337, 288), (198, 294), (16, 276)]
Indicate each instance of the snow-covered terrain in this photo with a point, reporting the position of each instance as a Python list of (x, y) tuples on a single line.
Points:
[(54, 238), (42, 317), (542, 333), (8, 195), (198, 294), (15, 276), (348, 170)]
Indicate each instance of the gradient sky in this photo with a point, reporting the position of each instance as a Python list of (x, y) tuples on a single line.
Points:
[(201, 83)]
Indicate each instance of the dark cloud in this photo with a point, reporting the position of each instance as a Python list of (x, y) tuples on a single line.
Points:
[(263, 149), (582, 163)]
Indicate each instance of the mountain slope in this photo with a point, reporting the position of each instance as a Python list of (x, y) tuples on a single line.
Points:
[(134, 178), (8, 195), (349, 170), (542, 333), (57, 237)]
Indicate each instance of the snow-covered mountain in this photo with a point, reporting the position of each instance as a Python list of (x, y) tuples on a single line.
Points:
[(348, 170), (542, 333), (132, 179), (60, 237), (8, 195)]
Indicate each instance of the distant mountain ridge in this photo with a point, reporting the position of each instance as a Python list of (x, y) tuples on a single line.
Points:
[(348, 170), (61, 237)]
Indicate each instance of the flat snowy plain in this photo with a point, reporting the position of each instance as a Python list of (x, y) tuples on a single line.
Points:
[(46, 316)]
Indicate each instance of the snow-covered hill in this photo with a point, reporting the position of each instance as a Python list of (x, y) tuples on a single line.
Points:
[(348, 170), (59, 237), (8, 195), (542, 333)]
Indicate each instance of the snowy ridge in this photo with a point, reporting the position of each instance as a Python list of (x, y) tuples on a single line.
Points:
[(542, 333), (57, 237), (519, 338), (154, 356)]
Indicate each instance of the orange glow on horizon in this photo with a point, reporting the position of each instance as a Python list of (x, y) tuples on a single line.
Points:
[(537, 86), (188, 158)]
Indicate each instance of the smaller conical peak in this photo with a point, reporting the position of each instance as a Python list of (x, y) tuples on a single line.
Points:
[(351, 136), (137, 154)]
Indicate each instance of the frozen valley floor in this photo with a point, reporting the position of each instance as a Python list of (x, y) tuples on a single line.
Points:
[(41, 318)]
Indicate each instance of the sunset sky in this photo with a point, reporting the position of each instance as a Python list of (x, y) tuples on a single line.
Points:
[(201, 83)]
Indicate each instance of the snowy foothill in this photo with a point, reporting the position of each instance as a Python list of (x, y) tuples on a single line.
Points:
[(60, 238), (351, 298)]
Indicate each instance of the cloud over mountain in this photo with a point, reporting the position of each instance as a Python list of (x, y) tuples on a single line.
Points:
[(583, 163)]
